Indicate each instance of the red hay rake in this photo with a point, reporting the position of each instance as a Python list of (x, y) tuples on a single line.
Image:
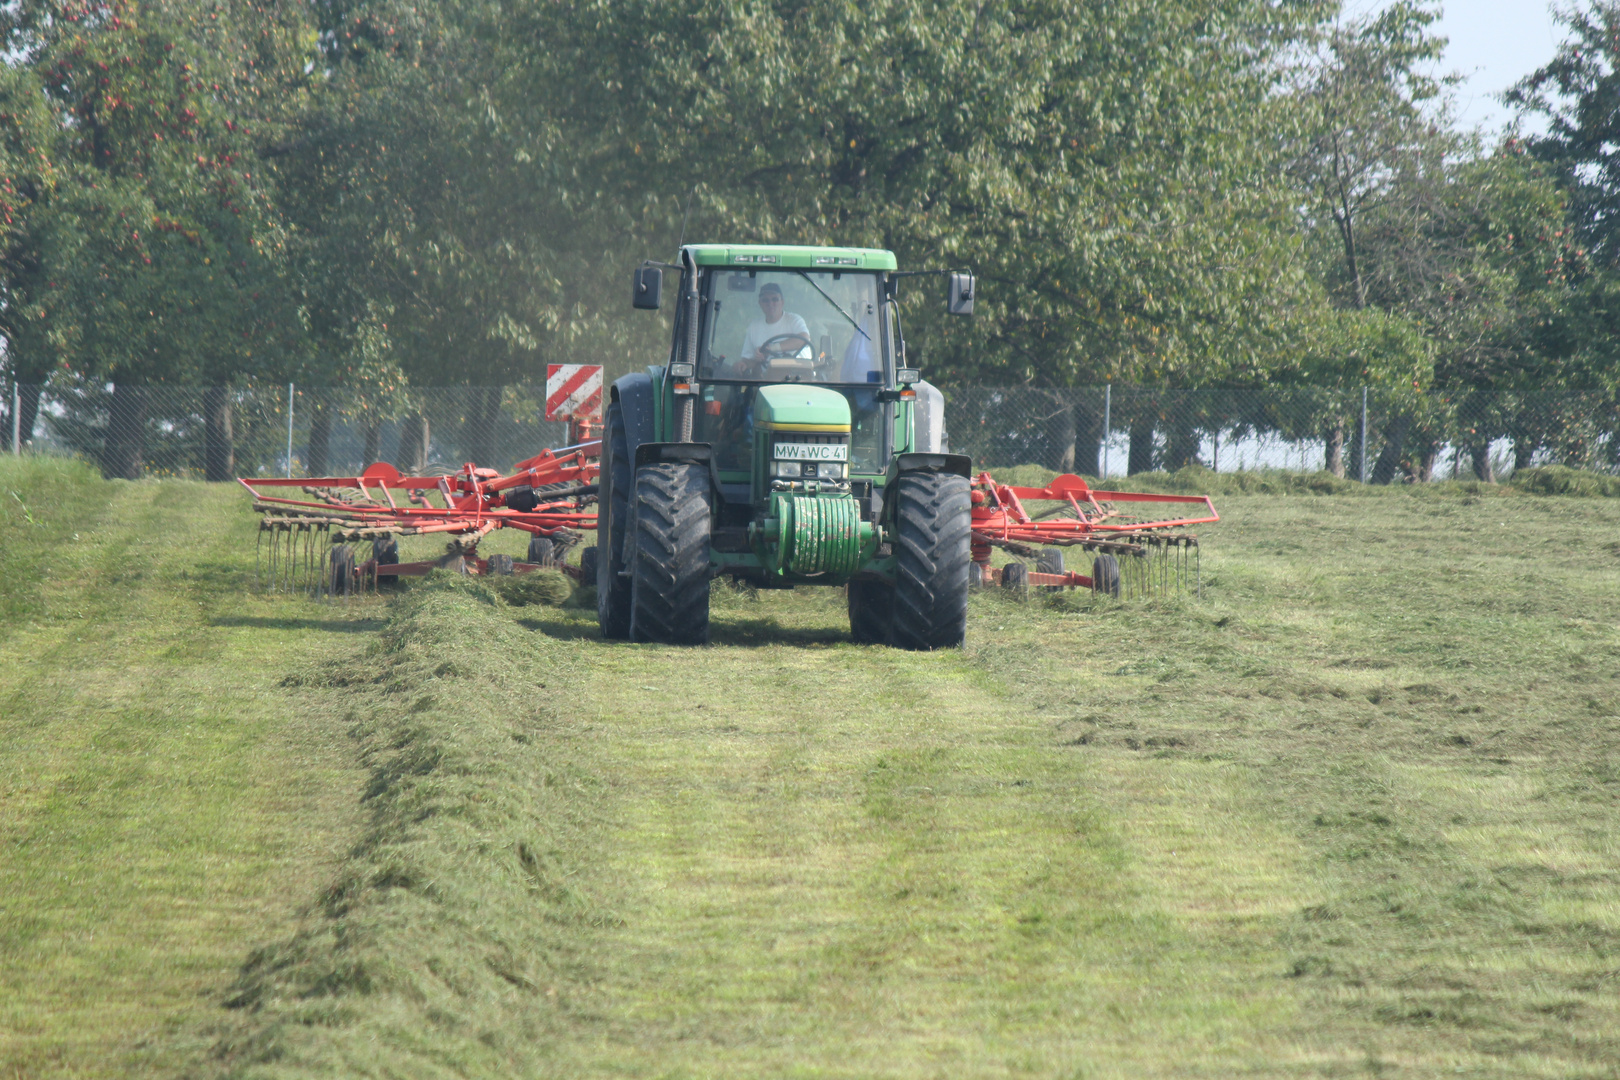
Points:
[(1137, 554), (550, 496)]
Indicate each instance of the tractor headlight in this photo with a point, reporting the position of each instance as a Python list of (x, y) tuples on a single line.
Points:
[(830, 470), (793, 469)]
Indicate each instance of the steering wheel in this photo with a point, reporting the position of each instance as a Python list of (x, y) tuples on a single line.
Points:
[(769, 349), (776, 349)]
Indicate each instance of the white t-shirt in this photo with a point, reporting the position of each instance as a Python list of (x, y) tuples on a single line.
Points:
[(760, 331)]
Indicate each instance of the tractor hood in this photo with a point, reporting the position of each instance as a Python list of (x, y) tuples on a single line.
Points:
[(801, 408)]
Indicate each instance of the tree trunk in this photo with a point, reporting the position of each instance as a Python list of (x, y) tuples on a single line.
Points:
[(1088, 441), (1524, 451), (1140, 459), (1428, 453), (372, 450), (1184, 444), (1063, 433), (483, 427), (123, 455), (28, 407), (1389, 459), (1333, 449), (319, 453), (219, 440), (413, 444), (1481, 455)]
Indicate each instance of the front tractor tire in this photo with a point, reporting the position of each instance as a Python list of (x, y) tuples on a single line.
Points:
[(871, 611), (669, 555), (932, 527), (612, 532)]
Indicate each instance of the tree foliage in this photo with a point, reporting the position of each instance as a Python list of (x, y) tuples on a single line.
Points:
[(386, 193)]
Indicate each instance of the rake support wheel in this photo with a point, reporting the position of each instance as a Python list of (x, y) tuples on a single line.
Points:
[(669, 556), (541, 551), (932, 525), (342, 570), (1050, 561), (385, 552), (617, 477), (1105, 575)]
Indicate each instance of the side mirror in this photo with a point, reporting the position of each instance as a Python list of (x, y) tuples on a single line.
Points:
[(646, 290), (960, 301)]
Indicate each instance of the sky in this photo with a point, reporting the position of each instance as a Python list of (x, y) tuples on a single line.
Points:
[(1494, 44)]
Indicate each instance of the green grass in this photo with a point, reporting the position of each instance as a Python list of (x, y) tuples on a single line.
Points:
[(1351, 813), (163, 803)]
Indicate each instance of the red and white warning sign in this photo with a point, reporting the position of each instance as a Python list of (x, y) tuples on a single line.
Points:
[(573, 391)]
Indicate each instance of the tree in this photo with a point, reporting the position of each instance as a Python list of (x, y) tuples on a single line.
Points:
[(1095, 163), (159, 254)]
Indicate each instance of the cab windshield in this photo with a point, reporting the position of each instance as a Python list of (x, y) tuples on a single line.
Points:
[(792, 326)]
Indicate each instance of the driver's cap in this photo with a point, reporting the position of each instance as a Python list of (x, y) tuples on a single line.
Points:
[(769, 289)]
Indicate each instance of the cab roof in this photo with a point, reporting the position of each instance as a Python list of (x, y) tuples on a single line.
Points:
[(792, 256)]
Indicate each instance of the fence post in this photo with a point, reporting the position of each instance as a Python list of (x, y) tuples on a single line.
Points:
[(1363, 434), (16, 419), (289, 429), (1108, 406)]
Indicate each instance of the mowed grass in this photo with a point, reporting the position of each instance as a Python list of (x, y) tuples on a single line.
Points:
[(1351, 813), (163, 802)]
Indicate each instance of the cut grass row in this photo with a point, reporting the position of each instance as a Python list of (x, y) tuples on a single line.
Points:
[(1352, 812)]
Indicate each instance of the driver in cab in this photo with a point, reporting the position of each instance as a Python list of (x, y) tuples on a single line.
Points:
[(779, 341)]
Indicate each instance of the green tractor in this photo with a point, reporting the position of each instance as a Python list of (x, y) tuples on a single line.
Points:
[(784, 443)]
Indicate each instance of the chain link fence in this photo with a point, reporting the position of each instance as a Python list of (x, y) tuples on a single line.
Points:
[(1376, 435), (220, 433)]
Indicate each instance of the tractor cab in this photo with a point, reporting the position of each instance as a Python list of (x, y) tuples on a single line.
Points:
[(786, 409)]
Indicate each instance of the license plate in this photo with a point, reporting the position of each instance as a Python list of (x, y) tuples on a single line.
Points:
[(798, 451)]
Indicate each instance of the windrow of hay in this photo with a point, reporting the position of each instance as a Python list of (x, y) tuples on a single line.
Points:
[(1561, 480), (453, 923)]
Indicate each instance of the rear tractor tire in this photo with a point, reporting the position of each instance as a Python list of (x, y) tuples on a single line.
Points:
[(932, 527), (669, 556), (612, 530)]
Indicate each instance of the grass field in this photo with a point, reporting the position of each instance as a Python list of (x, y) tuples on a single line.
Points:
[(1352, 813)]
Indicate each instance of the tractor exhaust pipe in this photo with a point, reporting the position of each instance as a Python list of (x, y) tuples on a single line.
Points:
[(686, 404)]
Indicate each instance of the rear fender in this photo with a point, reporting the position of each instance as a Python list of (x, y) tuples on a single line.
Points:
[(639, 407), (655, 453), (960, 464), (956, 464)]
